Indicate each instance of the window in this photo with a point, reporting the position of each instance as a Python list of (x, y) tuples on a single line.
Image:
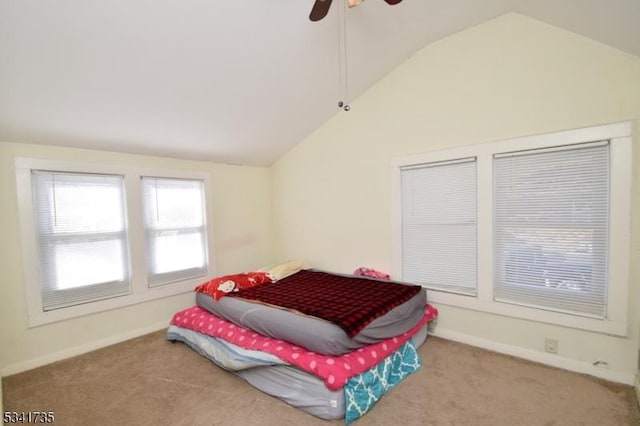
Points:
[(552, 234), (551, 228), (82, 237), (98, 236), (439, 225), (175, 229)]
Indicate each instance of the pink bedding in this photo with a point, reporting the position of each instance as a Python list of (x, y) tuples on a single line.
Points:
[(335, 371)]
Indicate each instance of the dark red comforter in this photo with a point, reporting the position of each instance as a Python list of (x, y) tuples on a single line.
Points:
[(349, 302)]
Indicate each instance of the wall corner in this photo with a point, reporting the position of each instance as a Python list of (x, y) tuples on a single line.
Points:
[(637, 386)]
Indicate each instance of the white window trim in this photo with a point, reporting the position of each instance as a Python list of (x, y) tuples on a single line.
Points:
[(616, 322), (140, 291), (180, 275)]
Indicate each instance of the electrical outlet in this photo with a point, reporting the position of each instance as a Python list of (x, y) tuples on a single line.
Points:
[(551, 345)]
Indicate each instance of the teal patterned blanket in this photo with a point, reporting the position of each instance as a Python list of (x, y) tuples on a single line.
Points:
[(364, 390)]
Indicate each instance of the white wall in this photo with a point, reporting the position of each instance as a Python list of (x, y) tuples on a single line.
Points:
[(241, 211), (509, 77)]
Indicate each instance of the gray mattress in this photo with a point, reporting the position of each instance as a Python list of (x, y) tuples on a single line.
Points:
[(314, 334), (303, 390), (288, 383)]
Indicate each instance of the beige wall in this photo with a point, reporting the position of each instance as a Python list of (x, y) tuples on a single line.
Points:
[(241, 198), (637, 381), (510, 77)]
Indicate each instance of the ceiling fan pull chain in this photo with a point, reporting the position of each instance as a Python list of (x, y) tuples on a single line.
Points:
[(342, 56)]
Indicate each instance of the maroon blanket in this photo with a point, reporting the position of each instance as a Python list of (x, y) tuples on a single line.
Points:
[(349, 302)]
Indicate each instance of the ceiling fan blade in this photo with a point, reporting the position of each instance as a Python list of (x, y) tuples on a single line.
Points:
[(392, 2), (320, 9)]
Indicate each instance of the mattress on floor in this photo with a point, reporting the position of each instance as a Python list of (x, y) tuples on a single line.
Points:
[(285, 382), (303, 390), (313, 333)]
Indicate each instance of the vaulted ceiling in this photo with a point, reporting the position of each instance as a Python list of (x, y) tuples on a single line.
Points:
[(228, 81)]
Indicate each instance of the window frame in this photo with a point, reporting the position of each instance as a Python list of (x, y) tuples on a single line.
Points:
[(159, 279), (450, 221), (619, 135), (542, 247), (140, 290), (91, 292)]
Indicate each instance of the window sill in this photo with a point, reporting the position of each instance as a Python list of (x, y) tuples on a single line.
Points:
[(616, 327), (154, 293)]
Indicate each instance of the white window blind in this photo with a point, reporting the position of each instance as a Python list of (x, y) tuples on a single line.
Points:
[(551, 228), (81, 237), (174, 218), (439, 249)]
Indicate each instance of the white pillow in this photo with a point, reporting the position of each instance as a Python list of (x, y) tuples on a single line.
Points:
[(284, 269)]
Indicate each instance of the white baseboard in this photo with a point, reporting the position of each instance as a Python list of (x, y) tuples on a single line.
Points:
[(79, 350), (540, 357)]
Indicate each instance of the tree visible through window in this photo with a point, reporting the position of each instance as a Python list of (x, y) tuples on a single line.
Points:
[(551, 228)]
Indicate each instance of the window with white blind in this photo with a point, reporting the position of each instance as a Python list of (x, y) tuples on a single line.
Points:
[(174, 221), (102, 236), (551, 228), (439, 225), (81, 235), (551, 240)]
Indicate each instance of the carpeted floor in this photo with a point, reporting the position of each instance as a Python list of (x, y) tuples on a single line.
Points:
[(149, 381)]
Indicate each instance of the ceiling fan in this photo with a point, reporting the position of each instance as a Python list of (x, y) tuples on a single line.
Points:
[(321, 7)]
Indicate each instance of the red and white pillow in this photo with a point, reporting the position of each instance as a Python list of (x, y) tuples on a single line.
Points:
[(220, 286)]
